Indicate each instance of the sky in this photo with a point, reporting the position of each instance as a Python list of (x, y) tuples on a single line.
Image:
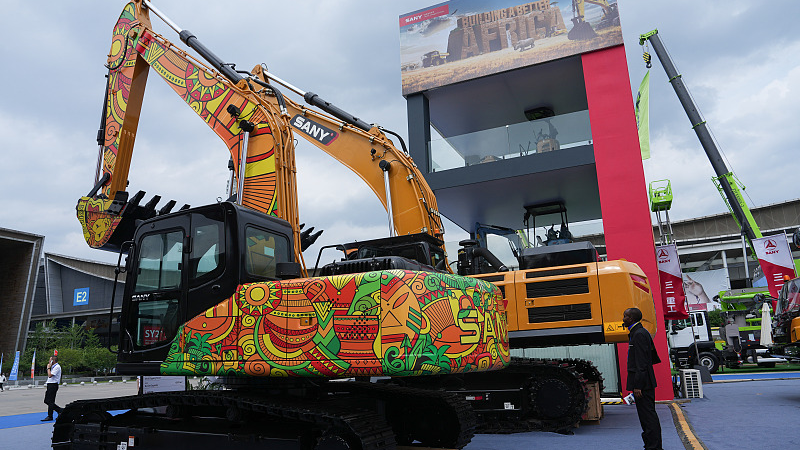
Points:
[(737, 57)]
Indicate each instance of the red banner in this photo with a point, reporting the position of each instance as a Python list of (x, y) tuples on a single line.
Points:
[(669, 274), (775, 257), (421, 16)]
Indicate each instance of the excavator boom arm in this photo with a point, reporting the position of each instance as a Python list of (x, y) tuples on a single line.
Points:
[(388, 171), (233, 111)]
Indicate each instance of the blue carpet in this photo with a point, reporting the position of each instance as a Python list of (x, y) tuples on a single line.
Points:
[(755, 376), (23, 420)]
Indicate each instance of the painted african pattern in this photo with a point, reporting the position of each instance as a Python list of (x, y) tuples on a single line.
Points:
[(393, 322), (204, 93)]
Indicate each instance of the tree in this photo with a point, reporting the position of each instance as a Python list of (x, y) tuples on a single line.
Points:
[(71, 336), (715, 318), (99, 359), (70, 359)]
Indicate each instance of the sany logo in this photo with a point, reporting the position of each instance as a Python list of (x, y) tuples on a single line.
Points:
[(314, 130), (663, 253), (770, 247)]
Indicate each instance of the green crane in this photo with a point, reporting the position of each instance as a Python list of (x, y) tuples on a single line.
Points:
[(726, 182)]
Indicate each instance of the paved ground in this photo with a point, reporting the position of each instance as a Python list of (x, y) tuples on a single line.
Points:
[(734, 415), (30, 400)]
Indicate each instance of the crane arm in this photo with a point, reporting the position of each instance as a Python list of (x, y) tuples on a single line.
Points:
[(724, 180)]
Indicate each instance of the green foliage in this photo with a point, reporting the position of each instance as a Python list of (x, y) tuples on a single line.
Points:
[(99, 359), (69, 358), (79, 349), (715, 318)]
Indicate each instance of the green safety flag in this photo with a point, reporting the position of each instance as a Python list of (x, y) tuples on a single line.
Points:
[(642, 107)]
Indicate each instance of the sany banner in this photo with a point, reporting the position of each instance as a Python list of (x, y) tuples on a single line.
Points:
[(669, 274), (14, 369), (33, 363), (775, 257)]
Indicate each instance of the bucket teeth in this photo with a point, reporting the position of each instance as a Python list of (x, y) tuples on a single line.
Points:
[(150, 207), (167, 208)]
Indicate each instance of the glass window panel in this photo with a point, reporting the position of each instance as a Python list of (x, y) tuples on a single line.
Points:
[(160, 262), (155, 322), (208, 249), (264, 251)]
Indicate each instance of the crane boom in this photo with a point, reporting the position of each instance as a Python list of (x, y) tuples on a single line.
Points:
[(726, 183)]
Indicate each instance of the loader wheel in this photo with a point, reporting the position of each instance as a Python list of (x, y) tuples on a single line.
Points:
[(710, 361)]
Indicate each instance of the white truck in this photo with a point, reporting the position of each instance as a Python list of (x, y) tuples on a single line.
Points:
[(692, 343)]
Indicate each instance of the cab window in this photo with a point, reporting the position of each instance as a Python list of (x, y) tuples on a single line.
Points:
[(264, 250), (160, 262), (207, 258)]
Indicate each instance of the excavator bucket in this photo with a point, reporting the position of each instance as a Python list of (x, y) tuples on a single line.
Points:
[(108, 223), (581, 31)]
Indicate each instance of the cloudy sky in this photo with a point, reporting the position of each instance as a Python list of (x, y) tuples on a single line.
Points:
[(738, 58)]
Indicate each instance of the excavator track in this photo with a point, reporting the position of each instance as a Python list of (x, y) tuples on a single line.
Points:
[(558, 395), (345, 417), (436, 419), (588, 371), (245, 421), (529, 395)]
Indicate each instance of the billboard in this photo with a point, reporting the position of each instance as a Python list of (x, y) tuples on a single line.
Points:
[(702, 287), (461, 40)]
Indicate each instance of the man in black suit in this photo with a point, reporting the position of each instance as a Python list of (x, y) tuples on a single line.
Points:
[(641, 377)]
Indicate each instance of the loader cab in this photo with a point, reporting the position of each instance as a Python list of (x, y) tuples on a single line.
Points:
[(183, 263)]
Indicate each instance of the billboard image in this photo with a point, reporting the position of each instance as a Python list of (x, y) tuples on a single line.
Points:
[(465, 39), (702, 287)]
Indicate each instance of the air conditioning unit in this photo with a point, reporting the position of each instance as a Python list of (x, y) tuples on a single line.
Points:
[(691, 383)]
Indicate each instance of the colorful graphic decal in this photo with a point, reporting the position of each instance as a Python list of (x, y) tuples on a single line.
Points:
[(96, 223), (377, 323), (203, 92), (210, 99)]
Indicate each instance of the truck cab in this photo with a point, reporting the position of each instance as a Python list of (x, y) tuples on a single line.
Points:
[(692, 343)]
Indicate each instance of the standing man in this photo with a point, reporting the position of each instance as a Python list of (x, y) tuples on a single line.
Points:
[(2, 381), (641, 378), (53, 379)]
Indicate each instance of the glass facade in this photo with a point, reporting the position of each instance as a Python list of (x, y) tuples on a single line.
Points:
[(510, 141)]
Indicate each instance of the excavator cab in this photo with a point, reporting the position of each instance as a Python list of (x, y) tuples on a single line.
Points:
[(202, 254)]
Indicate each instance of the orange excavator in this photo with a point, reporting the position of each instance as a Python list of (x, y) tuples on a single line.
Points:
[(222, 290), (581, 29)]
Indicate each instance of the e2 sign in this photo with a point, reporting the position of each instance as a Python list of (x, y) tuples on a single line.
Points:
[(81, 297)]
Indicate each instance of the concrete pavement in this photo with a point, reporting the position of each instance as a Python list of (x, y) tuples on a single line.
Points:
[(732, 416)]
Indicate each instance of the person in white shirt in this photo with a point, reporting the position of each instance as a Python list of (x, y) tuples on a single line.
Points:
[(2, 381), (53, 379)]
